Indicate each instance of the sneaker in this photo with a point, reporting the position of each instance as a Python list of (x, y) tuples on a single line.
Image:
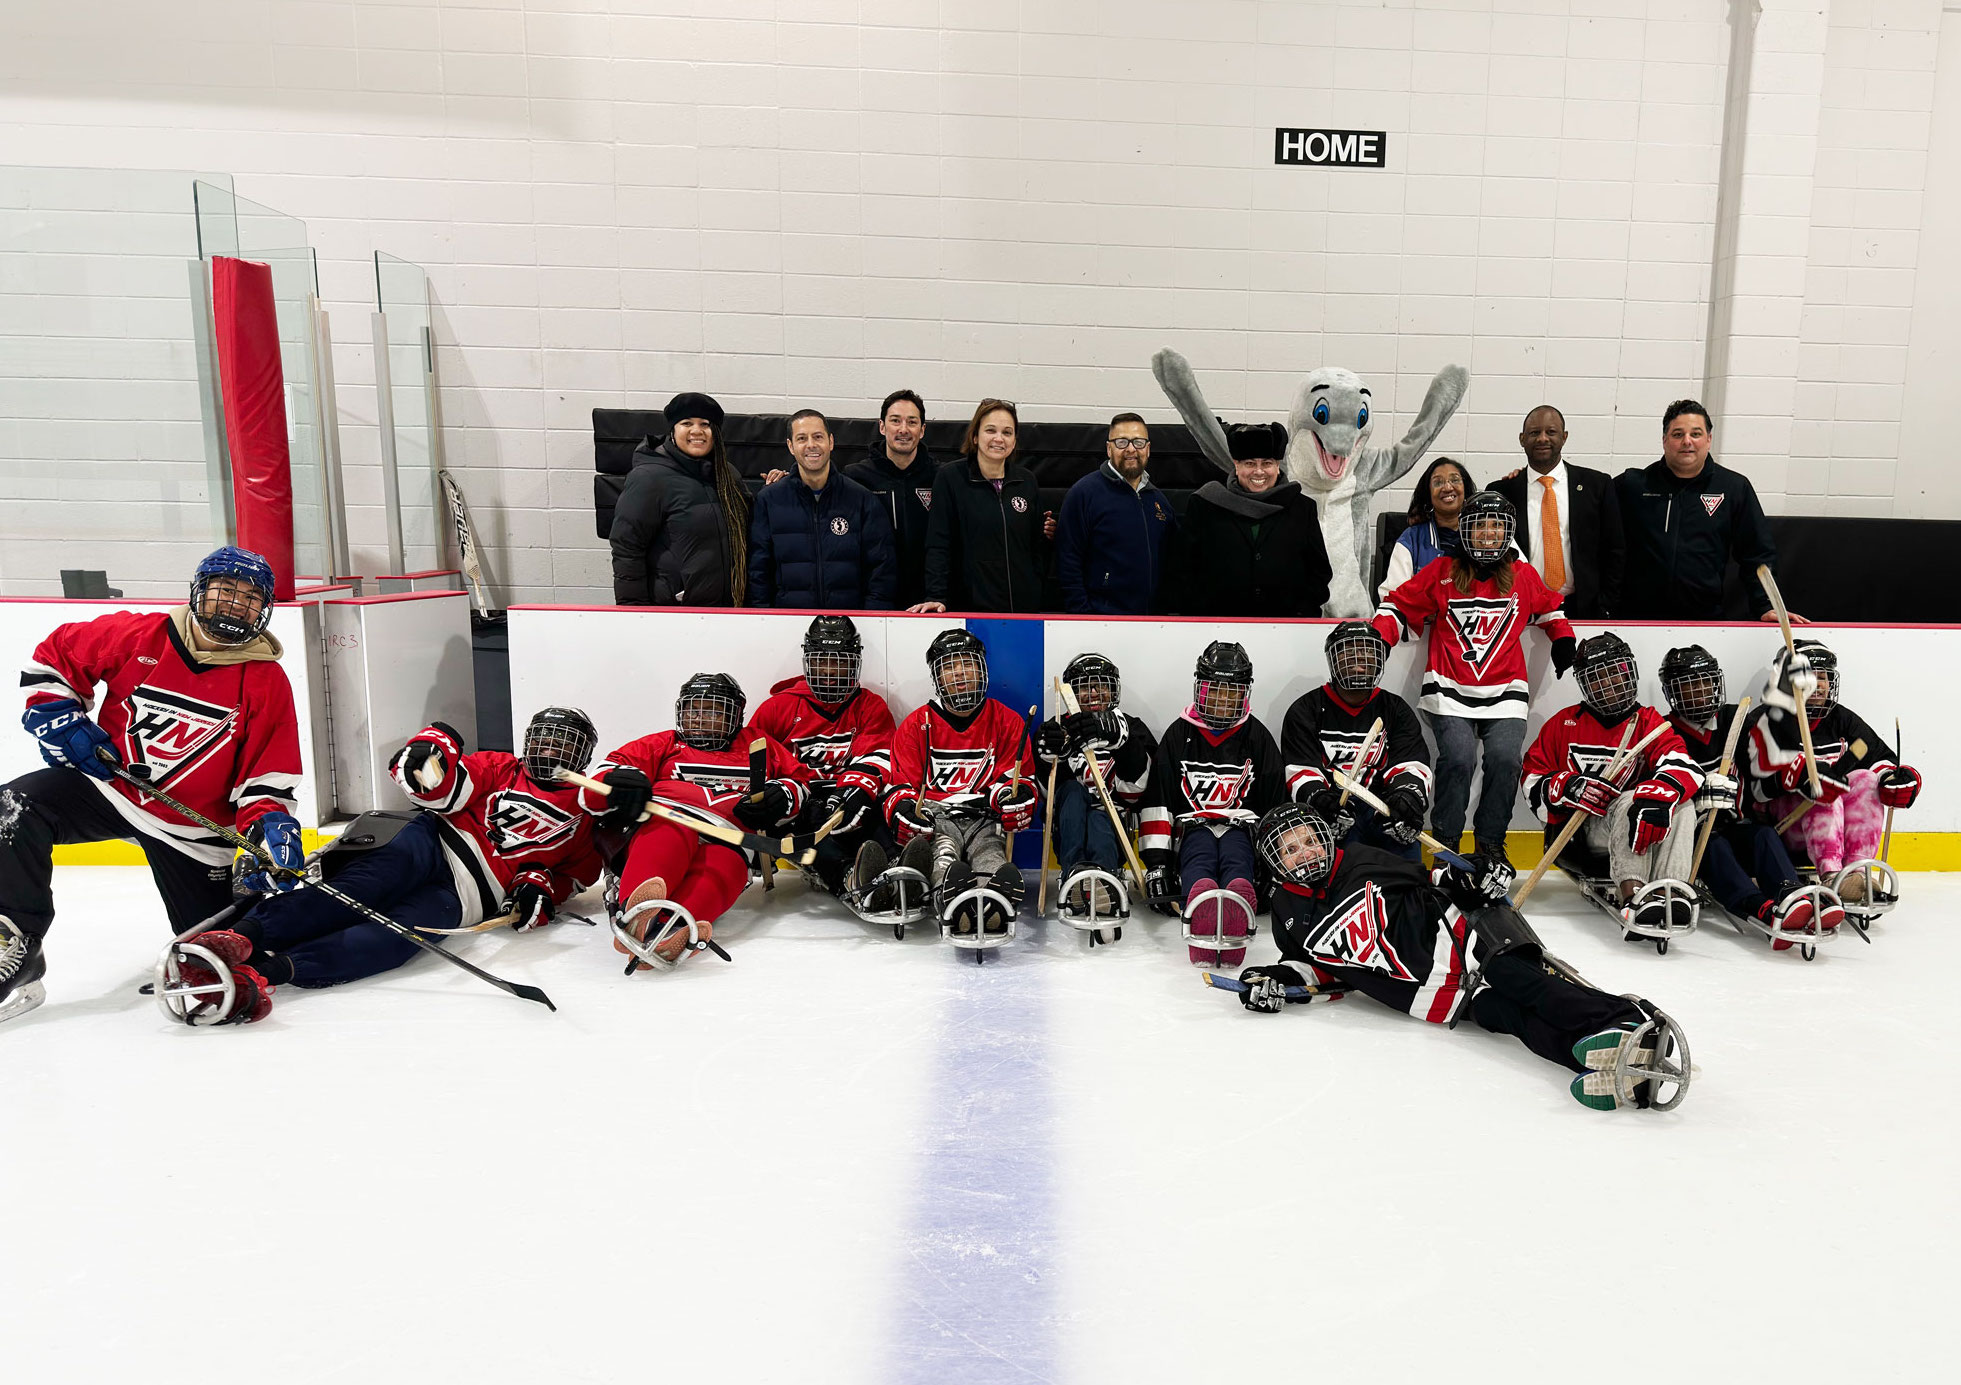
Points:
[(1792, 916), (1202, 919), (1601, 1051)]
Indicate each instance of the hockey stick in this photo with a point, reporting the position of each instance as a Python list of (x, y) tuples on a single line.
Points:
[(1069, 701), (1296, 995), (1858, 748), (465, 536), (1369, 800), (1723, 767), (801, 849), (1886, 838), (346, 901), (1048, 835), (1624, 755), (758, 770), (1791, 649), (1361, 763)]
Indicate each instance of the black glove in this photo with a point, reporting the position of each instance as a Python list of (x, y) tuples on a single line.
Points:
[(846, 800), (765, 808), (531, 900), (1563, 650), (1161, 889), (1325, 802), (1266, 987), (1105, 729), (909, 821), (627, 799), (1476, 883), (1406, 805), (1051, 742)]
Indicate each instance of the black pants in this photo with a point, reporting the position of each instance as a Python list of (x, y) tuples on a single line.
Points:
[(837, 852), (1547, 1014), (53, 807), (1747, 864)]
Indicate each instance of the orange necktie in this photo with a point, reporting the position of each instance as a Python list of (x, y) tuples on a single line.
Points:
[(1555, 554)]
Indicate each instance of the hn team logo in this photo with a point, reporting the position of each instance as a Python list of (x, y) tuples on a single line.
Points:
[(717, 779), (1712, 503), (924, 495), (1342, 747), (520, 821), (951, 772), (1592, 759), (1216, 788), (173, 734), (1353, 936), (824, 754), (1481, 623)]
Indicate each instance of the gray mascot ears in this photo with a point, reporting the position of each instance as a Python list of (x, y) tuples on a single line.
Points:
[(1327, 453)]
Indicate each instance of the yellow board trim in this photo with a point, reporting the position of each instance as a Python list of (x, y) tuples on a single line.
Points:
[(1911, 850), (130, 854)]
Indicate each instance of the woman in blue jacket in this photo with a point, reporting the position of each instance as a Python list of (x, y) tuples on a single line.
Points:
[(819, 541)]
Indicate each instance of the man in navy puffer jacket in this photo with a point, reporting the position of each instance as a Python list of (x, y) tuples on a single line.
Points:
[(818, 540), (1115, 523)]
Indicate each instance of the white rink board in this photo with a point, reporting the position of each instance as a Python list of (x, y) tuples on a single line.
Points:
[(625, 665), (395, 664)]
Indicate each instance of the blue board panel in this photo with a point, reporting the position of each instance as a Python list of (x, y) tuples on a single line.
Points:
[(1014, 677)]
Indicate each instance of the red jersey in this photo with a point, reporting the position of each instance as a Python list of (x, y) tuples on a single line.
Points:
[(1476, 662), (1577, 739), (856, 735), (938, 759), (715, 780), (497, 822), (221, 738)]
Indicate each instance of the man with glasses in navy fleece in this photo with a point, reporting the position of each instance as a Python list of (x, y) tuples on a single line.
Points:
[(1111, 542)]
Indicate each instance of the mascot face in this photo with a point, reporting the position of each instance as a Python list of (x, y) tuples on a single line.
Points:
[(1330, 420)]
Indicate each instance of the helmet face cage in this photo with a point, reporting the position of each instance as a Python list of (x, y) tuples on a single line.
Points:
[(558, 739), (1485, 533), (706, 718), (1610, 687), (832, 673), (960, 678), (1696, 693), (1356, 656), (1297, 845), (1096, 692), (231, 596), (1220, 702), (1824, 666)]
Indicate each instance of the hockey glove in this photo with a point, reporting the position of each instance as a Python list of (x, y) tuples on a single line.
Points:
[(427, 758), (1052, 742), (1105, 730), (1563, 652), (1899, 786), (531, 900), (629, 795), (766, 807), (69, 737), (1014, 804), (1324, 802), (1478, 882), (1654, 809), (1576, 791), (1266, 987), (1717, 794), (1161, 889), (1830, 786), (279, 833), (1406, 805), (1791, 683), (909, 820), (847, 803)]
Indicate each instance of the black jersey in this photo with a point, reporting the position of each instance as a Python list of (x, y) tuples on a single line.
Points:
[(1202, 775), (1773, 754), (1321, 730), (1126, 767)]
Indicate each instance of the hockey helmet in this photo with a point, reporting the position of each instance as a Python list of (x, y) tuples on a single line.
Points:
[(1609, 678), (558, 739), (1824, 667), (231, 595), (833, 653), (1486, 527), (1297, 844), (1220, 683), (1356, 655), (1692, 681), (1095, 682), (708, 711), (958, 662)]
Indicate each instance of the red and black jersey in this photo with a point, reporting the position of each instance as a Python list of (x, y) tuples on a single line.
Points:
[(221, 738), (684, 777), (856, 735), (497, 822), (1476, 664), (1208, 776), (1576, 739), (1772, 754), (944, 759), (1323, 730)]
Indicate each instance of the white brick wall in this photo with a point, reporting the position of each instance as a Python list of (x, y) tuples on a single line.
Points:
[(819, 200)]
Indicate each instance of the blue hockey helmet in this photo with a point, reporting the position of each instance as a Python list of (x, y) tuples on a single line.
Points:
[(239, 611)]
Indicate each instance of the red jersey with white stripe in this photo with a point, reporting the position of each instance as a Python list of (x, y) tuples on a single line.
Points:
[(497, 822), (855, 735), (942, 759), (715, 780), (220, 738), (1578, 740), (1476, 665)]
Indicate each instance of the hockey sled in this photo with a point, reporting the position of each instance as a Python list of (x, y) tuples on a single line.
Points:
[(1097, 885), (1879, 882), (910, 894), (183, 1002), (1230, 905), (1804, 939), (979, 919), (1660, 911), (1651, 1069)]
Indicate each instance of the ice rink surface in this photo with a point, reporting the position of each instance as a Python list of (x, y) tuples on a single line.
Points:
[(843, 1158)]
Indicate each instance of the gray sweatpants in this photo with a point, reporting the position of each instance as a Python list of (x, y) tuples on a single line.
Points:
[(1669, 861), (972, 837)]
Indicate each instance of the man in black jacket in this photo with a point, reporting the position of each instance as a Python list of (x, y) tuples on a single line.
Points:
[(819, 541), (1578, 507), (681, 525), (1684, 517), (900, 473)]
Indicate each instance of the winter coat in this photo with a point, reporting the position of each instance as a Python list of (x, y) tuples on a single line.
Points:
[(984, 549), (907, 497), (1110, 544), (828, 550), (670, 546), (1249, 555), (1680, 537)]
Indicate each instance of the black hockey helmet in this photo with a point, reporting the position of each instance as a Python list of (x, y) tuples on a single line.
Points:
[(1095, 682), (708, 711), (958, 662), (1482, 543), (558, 739), (1220, 683), (1692, 681), (1609, 677), (1356, 655), (1824, 665), (232, 595), (1297, 844), (833, 652)]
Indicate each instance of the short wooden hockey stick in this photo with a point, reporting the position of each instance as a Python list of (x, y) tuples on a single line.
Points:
[(1723, 766), (1069, 701), (801, 850), (1361, 764), (1048, 836), (1886, 837), (1765, 576), (758, 776)]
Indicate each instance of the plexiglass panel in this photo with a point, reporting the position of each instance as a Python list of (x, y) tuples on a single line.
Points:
[(402, 295)]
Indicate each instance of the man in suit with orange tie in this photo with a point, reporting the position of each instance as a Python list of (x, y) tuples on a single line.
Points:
[(1569, 519)]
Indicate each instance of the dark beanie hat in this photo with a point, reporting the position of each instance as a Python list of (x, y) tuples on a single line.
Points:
[(691, 405), (1249, 440)]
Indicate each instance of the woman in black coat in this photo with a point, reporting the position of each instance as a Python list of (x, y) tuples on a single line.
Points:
[(986, 533), (680, 533), (1251, 546)]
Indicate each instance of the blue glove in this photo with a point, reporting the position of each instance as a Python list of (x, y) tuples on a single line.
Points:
[(68, 737), (279, 833)]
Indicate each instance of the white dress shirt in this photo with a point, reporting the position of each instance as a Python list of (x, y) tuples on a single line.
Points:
[(1535, 499)]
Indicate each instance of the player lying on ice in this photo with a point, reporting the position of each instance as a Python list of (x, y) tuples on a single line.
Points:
[(712, 768), (499, 837), (962, 779), (194, 700), (1217, 771), (1639, 818), (1334, 726), (1745, 866), (1445, 944), (1086, 845)]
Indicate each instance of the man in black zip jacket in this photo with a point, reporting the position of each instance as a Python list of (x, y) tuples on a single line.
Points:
[(900, 473), (1685, 517)]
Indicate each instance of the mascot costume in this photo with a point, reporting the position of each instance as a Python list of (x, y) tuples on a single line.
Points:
[(1325, 454)]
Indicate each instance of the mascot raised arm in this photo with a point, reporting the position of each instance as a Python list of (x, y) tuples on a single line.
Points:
[(1326, 433)]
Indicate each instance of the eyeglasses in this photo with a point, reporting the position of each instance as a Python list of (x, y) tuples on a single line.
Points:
[(1130, 444)]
